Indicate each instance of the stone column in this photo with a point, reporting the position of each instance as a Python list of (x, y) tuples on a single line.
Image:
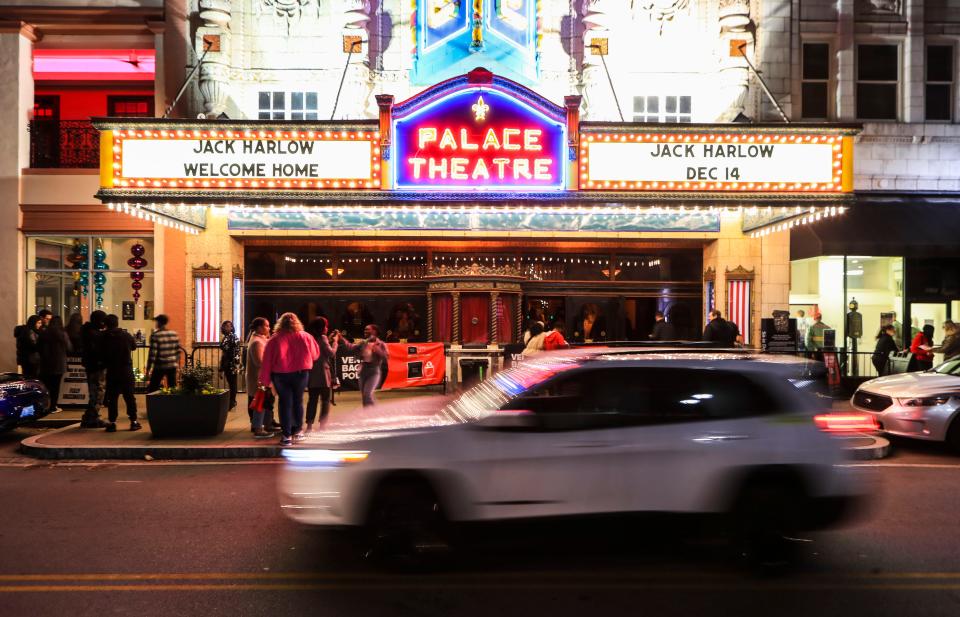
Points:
[(456, 319), (16, 104), (429, 317), (494, 326), (176, 50), (355, 100), (214, 36), (846, 63), (599, 102), (914, 52)]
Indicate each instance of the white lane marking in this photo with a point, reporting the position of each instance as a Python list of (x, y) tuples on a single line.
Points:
[(905, 465)]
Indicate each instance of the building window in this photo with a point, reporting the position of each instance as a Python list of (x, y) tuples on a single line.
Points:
[(130, 106), (816, 76), (274, 106), (668, 108), (938, 99), (878, 72)]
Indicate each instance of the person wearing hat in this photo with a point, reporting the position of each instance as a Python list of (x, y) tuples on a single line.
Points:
[(163, 356), (814, 342)]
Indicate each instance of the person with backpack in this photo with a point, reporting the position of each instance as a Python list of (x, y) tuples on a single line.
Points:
[(721, 331)]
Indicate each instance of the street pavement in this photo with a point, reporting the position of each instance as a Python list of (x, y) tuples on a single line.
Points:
[(207, 538)]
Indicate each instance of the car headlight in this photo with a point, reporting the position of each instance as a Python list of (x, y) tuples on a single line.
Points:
[(331, 458), (927, 401)]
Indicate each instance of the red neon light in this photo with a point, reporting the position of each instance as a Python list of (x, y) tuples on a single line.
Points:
[(842, 423), (476, 158), (94, 64)]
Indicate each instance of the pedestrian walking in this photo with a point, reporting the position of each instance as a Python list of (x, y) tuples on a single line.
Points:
[(231, 357), (720, 330), (815, 336), (372, 353), (163, 356), (91, 340), (663, 330), (287, 360), (117, 346), (28, 347), (950, 345), (886, 344), (320, 383), (921, 347), (256, 342), (54, 347)]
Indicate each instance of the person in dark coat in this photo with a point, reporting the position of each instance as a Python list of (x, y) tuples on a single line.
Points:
[(54, 347), (116, 346), (721, 331), (74, 328), (91, 339), (886, 344), (231, 357), (28, 347), (662, 329), (320, 383)]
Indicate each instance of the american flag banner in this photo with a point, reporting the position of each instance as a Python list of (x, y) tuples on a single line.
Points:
[(738, 307), (711, 300), (207, 306), (238, 323)]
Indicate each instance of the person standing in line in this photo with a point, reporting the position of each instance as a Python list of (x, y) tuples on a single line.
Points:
[(230, 359), (721, 331), (287, 360), (28, 347), (920, 348), (802, 326), (54, 347), (74, 327), (554, 338), (45, 316), (886, 344), (535, 340), (815, 334), (163, 355), (372, 353), (320, 384), (256, 342), (663, 330), (117, 346), (91, 339), (950, 345)]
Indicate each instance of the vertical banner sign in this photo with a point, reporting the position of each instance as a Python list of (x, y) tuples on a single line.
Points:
[(207, 307), (738, 307), (479, 137)]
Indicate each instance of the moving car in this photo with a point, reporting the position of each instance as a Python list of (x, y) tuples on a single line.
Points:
[(924, 405), (21, 401), (581, 432)]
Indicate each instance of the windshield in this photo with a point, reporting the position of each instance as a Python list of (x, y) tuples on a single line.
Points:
[(950, 367)]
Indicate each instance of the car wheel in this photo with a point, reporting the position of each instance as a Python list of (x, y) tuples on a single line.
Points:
[(766, 525), (407, 527), (953, 435)]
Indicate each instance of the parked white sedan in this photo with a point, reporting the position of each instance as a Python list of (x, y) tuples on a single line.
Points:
[(923, 405), (580, 433)]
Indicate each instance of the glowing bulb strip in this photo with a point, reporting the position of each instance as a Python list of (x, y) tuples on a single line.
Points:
[(121, 181), (141, 212), (835, 141), (812, 215)]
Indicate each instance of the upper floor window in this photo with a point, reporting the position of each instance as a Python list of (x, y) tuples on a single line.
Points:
[(816, 80), (878, 74), (130, 106), (669, 108), (938, 95), (287, 106)]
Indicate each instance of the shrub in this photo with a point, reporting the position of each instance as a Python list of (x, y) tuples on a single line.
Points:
[(194, 380)]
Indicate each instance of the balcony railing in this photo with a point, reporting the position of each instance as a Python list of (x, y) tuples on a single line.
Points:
[(64, 144)]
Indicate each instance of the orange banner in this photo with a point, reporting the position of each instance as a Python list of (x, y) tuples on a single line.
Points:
[(414, 364)]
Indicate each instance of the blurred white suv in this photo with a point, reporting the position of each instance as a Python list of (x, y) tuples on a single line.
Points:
[(923, 405), (606, 432)]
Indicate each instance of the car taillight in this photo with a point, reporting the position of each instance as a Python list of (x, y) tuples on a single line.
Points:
[(845, 422)]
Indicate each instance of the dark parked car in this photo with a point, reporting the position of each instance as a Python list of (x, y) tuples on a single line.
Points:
[(21, 401)]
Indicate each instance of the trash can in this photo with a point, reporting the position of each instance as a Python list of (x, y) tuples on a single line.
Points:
[(473, 371)]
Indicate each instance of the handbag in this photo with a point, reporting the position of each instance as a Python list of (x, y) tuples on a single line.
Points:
[(258, 400)]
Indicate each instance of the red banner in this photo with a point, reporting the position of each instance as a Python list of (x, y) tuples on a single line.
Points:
[(414, 364)]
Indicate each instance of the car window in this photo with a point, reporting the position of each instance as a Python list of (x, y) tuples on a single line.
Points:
[(685, 395), (950, 367)]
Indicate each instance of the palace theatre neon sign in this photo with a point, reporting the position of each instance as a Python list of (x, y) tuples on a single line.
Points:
[(480, 137)]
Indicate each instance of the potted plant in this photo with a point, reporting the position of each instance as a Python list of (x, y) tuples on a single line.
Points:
[(192, 409)]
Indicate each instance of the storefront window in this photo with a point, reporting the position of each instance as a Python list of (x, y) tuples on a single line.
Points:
[(876, 283), (81, 274)]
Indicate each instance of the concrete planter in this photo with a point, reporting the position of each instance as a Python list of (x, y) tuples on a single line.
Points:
[(177, 415)]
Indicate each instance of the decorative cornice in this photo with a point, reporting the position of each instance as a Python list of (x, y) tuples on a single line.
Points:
[(207, 271), (710, 274), (26, 30), (739, 274), (779, 129)]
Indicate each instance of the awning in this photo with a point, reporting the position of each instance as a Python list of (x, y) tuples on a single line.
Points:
[(889, 225)]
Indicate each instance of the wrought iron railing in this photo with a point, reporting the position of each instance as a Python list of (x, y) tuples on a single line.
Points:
[(64, 144)]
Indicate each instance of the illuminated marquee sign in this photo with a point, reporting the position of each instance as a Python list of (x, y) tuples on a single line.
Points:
[(239, 158), (789, 162), (479, 138)]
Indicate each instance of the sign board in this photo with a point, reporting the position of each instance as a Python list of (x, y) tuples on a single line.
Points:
[(225, 157), (408, 365), (747, 162), (479, 137), (779, 333), (73, 384)]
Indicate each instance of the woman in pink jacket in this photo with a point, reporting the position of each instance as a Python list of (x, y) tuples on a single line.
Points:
[(287, 360)]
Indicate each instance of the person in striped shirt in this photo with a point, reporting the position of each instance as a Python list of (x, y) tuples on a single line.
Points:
[(164, 352)]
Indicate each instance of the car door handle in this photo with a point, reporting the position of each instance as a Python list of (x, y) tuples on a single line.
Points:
[(714, 438)]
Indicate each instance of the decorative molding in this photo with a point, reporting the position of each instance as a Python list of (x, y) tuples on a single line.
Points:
[(739, 274), (207, 271), (237, 271), (710, 274), (474, 270)]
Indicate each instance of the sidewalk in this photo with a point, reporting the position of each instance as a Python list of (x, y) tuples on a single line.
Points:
[(72, 442)]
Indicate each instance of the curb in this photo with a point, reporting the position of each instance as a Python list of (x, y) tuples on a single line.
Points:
[(879, 448), (31, 446)]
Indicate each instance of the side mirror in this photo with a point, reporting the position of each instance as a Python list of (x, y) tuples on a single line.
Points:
[(509, 419)]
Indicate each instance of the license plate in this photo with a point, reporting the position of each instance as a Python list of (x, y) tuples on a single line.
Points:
[(27, 411)]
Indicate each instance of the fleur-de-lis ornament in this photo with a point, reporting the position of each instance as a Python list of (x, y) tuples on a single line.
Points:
[(480, 109)]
